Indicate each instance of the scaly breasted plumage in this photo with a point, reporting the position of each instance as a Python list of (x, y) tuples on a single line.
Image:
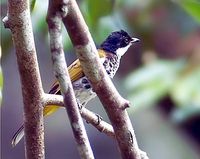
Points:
[(110, 52)]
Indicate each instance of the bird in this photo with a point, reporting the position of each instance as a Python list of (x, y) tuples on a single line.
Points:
[(110, 53)]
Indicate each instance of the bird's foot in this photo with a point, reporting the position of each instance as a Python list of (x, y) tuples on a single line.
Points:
[(99, 119), (80, 106)]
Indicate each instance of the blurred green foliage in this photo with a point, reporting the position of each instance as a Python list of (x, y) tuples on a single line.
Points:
[(98, 17), (162, 27), (154, 81), (32, 4), (94, 13), (164, 64), (192, 7), (186, 89)]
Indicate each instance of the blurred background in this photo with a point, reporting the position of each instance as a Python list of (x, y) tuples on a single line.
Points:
[(160, 76)]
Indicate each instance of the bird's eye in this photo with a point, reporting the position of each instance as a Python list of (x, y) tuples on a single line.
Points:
[(126, 41)]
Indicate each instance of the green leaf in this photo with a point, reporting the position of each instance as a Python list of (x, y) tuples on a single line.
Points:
[(192, 7), (100, 8), (149, 95), (32, 4), (156, 71), (97, 9), (186, 89), (152, 82)]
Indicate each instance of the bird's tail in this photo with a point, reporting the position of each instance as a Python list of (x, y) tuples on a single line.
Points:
[(18, 136)]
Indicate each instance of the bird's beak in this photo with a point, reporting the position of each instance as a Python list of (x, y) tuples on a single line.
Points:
[(134, 40)]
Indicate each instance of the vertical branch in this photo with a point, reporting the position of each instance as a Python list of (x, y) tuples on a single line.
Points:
[(19, 22), (56, 10), (113, 103)]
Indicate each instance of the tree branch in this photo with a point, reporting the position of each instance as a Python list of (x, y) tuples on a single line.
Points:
[(53, 99), (19, 22), (56, 10), (93, 119), (113, 103), (89, 116)]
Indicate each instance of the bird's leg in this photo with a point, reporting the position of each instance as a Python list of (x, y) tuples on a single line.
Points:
[(99, 119), (80, 106)]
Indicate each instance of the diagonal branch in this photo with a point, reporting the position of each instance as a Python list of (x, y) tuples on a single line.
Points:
[(113, 103), (89, 116), (19, 22), (93, 119), (56, 10)]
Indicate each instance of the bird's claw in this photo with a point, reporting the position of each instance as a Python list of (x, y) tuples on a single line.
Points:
[(99, 119), (80, 106)]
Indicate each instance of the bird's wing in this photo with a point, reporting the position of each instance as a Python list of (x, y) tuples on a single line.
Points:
[(75, 73)]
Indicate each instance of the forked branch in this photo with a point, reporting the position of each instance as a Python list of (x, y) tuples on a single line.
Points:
[(89, 116), (56, 10), (113, 103), (18, 20)]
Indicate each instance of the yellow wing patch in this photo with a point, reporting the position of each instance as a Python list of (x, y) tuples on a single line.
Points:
[(49, 109), (75, 73)]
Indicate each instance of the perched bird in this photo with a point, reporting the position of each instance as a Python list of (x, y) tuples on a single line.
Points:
[(110, 53)]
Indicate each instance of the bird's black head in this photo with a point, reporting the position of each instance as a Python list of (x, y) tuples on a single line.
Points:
[(118, 42)]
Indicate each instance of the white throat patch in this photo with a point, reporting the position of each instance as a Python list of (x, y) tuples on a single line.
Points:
[(121, 51)]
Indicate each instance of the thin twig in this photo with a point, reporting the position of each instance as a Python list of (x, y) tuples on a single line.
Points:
[(89, 116), (19, 22), (56, 10), (101, 125), (113, 103)]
